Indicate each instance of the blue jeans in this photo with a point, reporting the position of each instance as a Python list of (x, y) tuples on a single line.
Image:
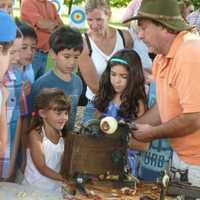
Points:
[(89, 112), (39, 63)]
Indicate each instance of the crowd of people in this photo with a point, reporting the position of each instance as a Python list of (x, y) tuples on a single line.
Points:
[(147, 73)]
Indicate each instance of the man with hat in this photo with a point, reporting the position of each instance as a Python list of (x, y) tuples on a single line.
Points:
[(176, 70)]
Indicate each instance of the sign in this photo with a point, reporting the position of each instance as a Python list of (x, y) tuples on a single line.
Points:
[(77, 17)]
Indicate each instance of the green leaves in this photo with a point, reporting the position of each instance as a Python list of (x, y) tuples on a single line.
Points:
[(196, 3), (114, 3), (123, 3)]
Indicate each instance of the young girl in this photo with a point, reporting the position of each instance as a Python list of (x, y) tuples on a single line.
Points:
[(45, 144), (122, 92)]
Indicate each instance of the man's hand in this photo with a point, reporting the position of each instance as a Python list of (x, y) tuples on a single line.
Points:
[(143, 133), (47, 25)]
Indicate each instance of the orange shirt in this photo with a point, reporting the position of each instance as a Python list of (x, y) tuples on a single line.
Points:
[(178, 90), (34, 10)]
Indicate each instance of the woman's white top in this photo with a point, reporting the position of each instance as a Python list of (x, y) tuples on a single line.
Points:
[(52, 154), (141, 48), (99, 58)]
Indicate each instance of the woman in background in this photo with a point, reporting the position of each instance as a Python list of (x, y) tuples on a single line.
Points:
[(101, 42)]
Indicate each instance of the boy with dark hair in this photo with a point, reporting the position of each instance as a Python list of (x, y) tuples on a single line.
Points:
[(7, 36), (26, 30), (66, 38), (66, 45)]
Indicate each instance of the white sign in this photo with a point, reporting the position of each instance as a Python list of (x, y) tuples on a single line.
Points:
[(77, 17)]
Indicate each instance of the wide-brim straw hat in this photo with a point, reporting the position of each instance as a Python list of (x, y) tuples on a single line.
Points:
[(166, 12)]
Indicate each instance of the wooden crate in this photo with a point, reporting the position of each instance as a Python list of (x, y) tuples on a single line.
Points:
[(92, 155)]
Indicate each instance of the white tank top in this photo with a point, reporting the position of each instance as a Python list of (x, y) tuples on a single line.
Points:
[(52, 153), (100, 59)]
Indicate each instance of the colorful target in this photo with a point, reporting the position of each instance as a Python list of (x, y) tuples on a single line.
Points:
[(77, 17)]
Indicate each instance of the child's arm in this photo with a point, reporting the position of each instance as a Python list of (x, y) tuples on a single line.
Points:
[(35, 145), (141, 109), (3, 121), (24, 140)]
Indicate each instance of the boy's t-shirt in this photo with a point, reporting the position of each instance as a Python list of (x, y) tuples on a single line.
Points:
[(72, 88)]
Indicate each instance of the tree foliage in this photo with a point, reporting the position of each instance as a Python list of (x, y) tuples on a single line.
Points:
[(196, 3), (123, 3), (113, 3)]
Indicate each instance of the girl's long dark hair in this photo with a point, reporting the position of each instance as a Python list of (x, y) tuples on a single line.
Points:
[(49, 98), (133, 93)]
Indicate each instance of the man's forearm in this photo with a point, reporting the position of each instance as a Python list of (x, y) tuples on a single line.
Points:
[(151, 117), (182, 125)]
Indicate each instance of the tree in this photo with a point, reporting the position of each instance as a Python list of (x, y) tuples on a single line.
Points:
[(123, 3), (113, 3), (196, 3)]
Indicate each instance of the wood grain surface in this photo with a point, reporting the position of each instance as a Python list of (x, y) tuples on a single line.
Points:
[(112, 191)]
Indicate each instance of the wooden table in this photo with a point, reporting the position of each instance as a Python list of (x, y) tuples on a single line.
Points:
[(110, 191)]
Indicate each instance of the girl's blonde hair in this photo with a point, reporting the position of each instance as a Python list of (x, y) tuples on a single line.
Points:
[(101, 4)]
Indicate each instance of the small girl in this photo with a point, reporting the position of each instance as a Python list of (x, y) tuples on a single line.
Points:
[(45, 143), (122, 92)]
